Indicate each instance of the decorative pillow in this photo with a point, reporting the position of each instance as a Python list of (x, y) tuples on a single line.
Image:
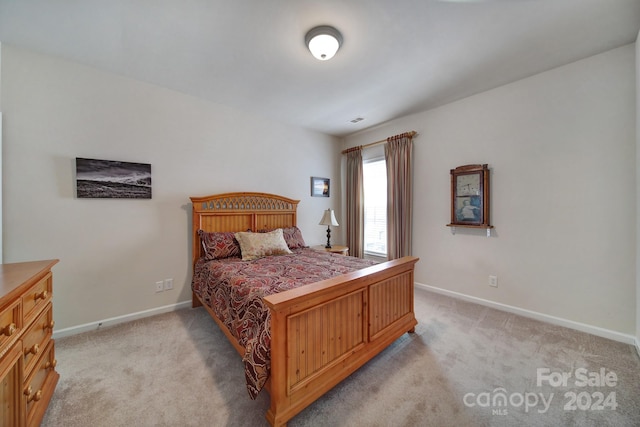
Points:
[(258, 245), (293, 237), (218, 245)]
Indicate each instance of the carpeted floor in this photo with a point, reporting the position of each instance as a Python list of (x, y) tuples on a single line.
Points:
[(466, 365)]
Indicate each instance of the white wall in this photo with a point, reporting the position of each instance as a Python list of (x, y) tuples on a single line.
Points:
[(1, 233), (1, 133), (638, 194), (112, 251), (561, 148)]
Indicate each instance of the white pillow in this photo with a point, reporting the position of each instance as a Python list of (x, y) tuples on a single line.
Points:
[(258, 245)]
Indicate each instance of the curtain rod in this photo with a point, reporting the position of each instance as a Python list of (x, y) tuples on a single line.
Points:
[(371, 144)]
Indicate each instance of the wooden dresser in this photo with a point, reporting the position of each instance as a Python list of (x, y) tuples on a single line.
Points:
[(27, 357)]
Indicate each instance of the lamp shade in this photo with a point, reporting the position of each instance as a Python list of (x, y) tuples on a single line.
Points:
[(329, 218), (323, 42)]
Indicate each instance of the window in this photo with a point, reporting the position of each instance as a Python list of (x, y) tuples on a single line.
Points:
[(375, 207)]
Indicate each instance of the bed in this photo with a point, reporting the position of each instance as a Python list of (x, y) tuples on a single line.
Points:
[(318, 333)]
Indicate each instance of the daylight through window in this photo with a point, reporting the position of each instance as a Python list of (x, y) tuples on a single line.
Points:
[(375, 207)]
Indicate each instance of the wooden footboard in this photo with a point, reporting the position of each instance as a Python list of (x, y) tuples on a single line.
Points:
[(321, 333)]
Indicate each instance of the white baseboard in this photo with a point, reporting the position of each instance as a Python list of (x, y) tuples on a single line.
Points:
[(594, 330), (637, 346), (120, 319)]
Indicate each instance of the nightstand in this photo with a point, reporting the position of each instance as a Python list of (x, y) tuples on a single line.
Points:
[(336, 249)]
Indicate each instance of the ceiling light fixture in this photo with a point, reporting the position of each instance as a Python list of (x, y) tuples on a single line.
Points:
[(323, 42)]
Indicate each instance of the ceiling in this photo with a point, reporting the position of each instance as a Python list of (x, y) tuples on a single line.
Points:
[(397, 57)]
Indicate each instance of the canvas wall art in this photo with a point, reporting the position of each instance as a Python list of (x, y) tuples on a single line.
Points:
[(109, 179)]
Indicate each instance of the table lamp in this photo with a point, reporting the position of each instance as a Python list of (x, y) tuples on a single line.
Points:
[(329, 219)]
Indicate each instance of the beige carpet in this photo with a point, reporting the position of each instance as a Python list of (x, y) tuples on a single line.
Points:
[(178, 369)]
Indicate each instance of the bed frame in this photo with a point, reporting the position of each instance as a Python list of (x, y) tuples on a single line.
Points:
[(322, 332)]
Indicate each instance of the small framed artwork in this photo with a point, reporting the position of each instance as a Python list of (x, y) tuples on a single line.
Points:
[(320, 187), (470, 196), (109, 179)]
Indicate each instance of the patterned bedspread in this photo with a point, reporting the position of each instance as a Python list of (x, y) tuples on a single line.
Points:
[(233, 289)]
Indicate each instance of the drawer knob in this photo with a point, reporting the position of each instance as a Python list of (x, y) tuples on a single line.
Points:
[(9, 330), (35, 396), (34, 349), (41, 295), (49, 325), (51, 365)]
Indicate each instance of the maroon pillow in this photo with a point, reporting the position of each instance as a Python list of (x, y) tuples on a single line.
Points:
[(293, 237), (218, 245)]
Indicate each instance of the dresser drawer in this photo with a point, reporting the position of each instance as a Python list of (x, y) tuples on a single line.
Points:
[(36, 338), (39, 386), (38, 295), (10, 324)]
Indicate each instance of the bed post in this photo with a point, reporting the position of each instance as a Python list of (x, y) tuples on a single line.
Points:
[(278, 384), (195, 301)]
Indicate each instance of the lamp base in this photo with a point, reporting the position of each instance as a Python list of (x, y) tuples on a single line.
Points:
[(328, 245)]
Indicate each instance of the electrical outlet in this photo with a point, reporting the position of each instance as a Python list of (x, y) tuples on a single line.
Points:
[(159, 286), (168, 284), (493, 281)]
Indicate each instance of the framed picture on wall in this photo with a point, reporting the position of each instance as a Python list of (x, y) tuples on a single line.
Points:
[(470, 196), (320, 187), (110, 179)]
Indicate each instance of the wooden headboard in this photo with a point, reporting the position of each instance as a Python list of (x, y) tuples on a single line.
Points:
[(240, 212)]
